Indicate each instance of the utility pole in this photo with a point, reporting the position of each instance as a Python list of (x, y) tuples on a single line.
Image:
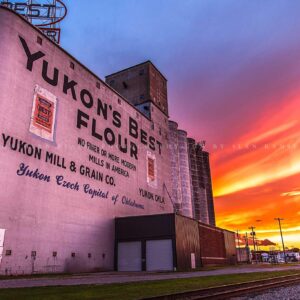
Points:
[(279, 222), (247, 248), (239, 252), (253, 239)]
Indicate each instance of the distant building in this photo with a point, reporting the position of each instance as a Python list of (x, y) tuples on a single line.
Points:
[(243, 255)]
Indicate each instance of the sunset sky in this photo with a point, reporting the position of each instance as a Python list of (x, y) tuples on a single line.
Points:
[(233, 70)]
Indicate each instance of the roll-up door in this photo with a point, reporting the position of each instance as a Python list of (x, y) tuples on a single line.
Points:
[(159, 255), (2, 232), (129, 256)]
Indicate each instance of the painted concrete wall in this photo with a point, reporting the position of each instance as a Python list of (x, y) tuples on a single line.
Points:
[(46, 206)]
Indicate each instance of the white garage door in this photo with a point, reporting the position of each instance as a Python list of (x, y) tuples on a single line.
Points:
[(129, 256), (2, 232), (159, 255)]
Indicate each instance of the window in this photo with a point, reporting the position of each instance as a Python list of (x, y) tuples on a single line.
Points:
[(72, 65), (39, 40), (151, 170), (141, 72), (119, 101), (98, 85), (33, 254), (8, 252), (54, 253), (89, 255), (73, 254)]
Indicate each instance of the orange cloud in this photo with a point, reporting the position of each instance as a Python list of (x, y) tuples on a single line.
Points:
[(258, 176)]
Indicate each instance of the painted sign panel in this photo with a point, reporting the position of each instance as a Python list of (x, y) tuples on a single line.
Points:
[(45, 14), (151, 169), (43, 114)]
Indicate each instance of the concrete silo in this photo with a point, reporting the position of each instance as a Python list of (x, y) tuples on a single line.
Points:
[(174, 162), (199, 196), (185, 179)]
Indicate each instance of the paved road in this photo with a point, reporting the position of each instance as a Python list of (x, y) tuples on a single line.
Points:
[(119, 277)]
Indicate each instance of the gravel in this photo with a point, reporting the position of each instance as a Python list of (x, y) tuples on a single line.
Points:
[(284, 293)]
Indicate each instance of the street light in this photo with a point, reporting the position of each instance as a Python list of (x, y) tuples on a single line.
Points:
[(279, 222)]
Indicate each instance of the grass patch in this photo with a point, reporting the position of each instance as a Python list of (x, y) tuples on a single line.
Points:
[(136, 290), (50, 275)]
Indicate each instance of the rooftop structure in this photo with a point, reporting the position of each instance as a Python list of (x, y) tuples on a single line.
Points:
[(142, 85)]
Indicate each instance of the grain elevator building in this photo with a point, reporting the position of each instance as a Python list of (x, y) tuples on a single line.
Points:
[(78, 153)]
